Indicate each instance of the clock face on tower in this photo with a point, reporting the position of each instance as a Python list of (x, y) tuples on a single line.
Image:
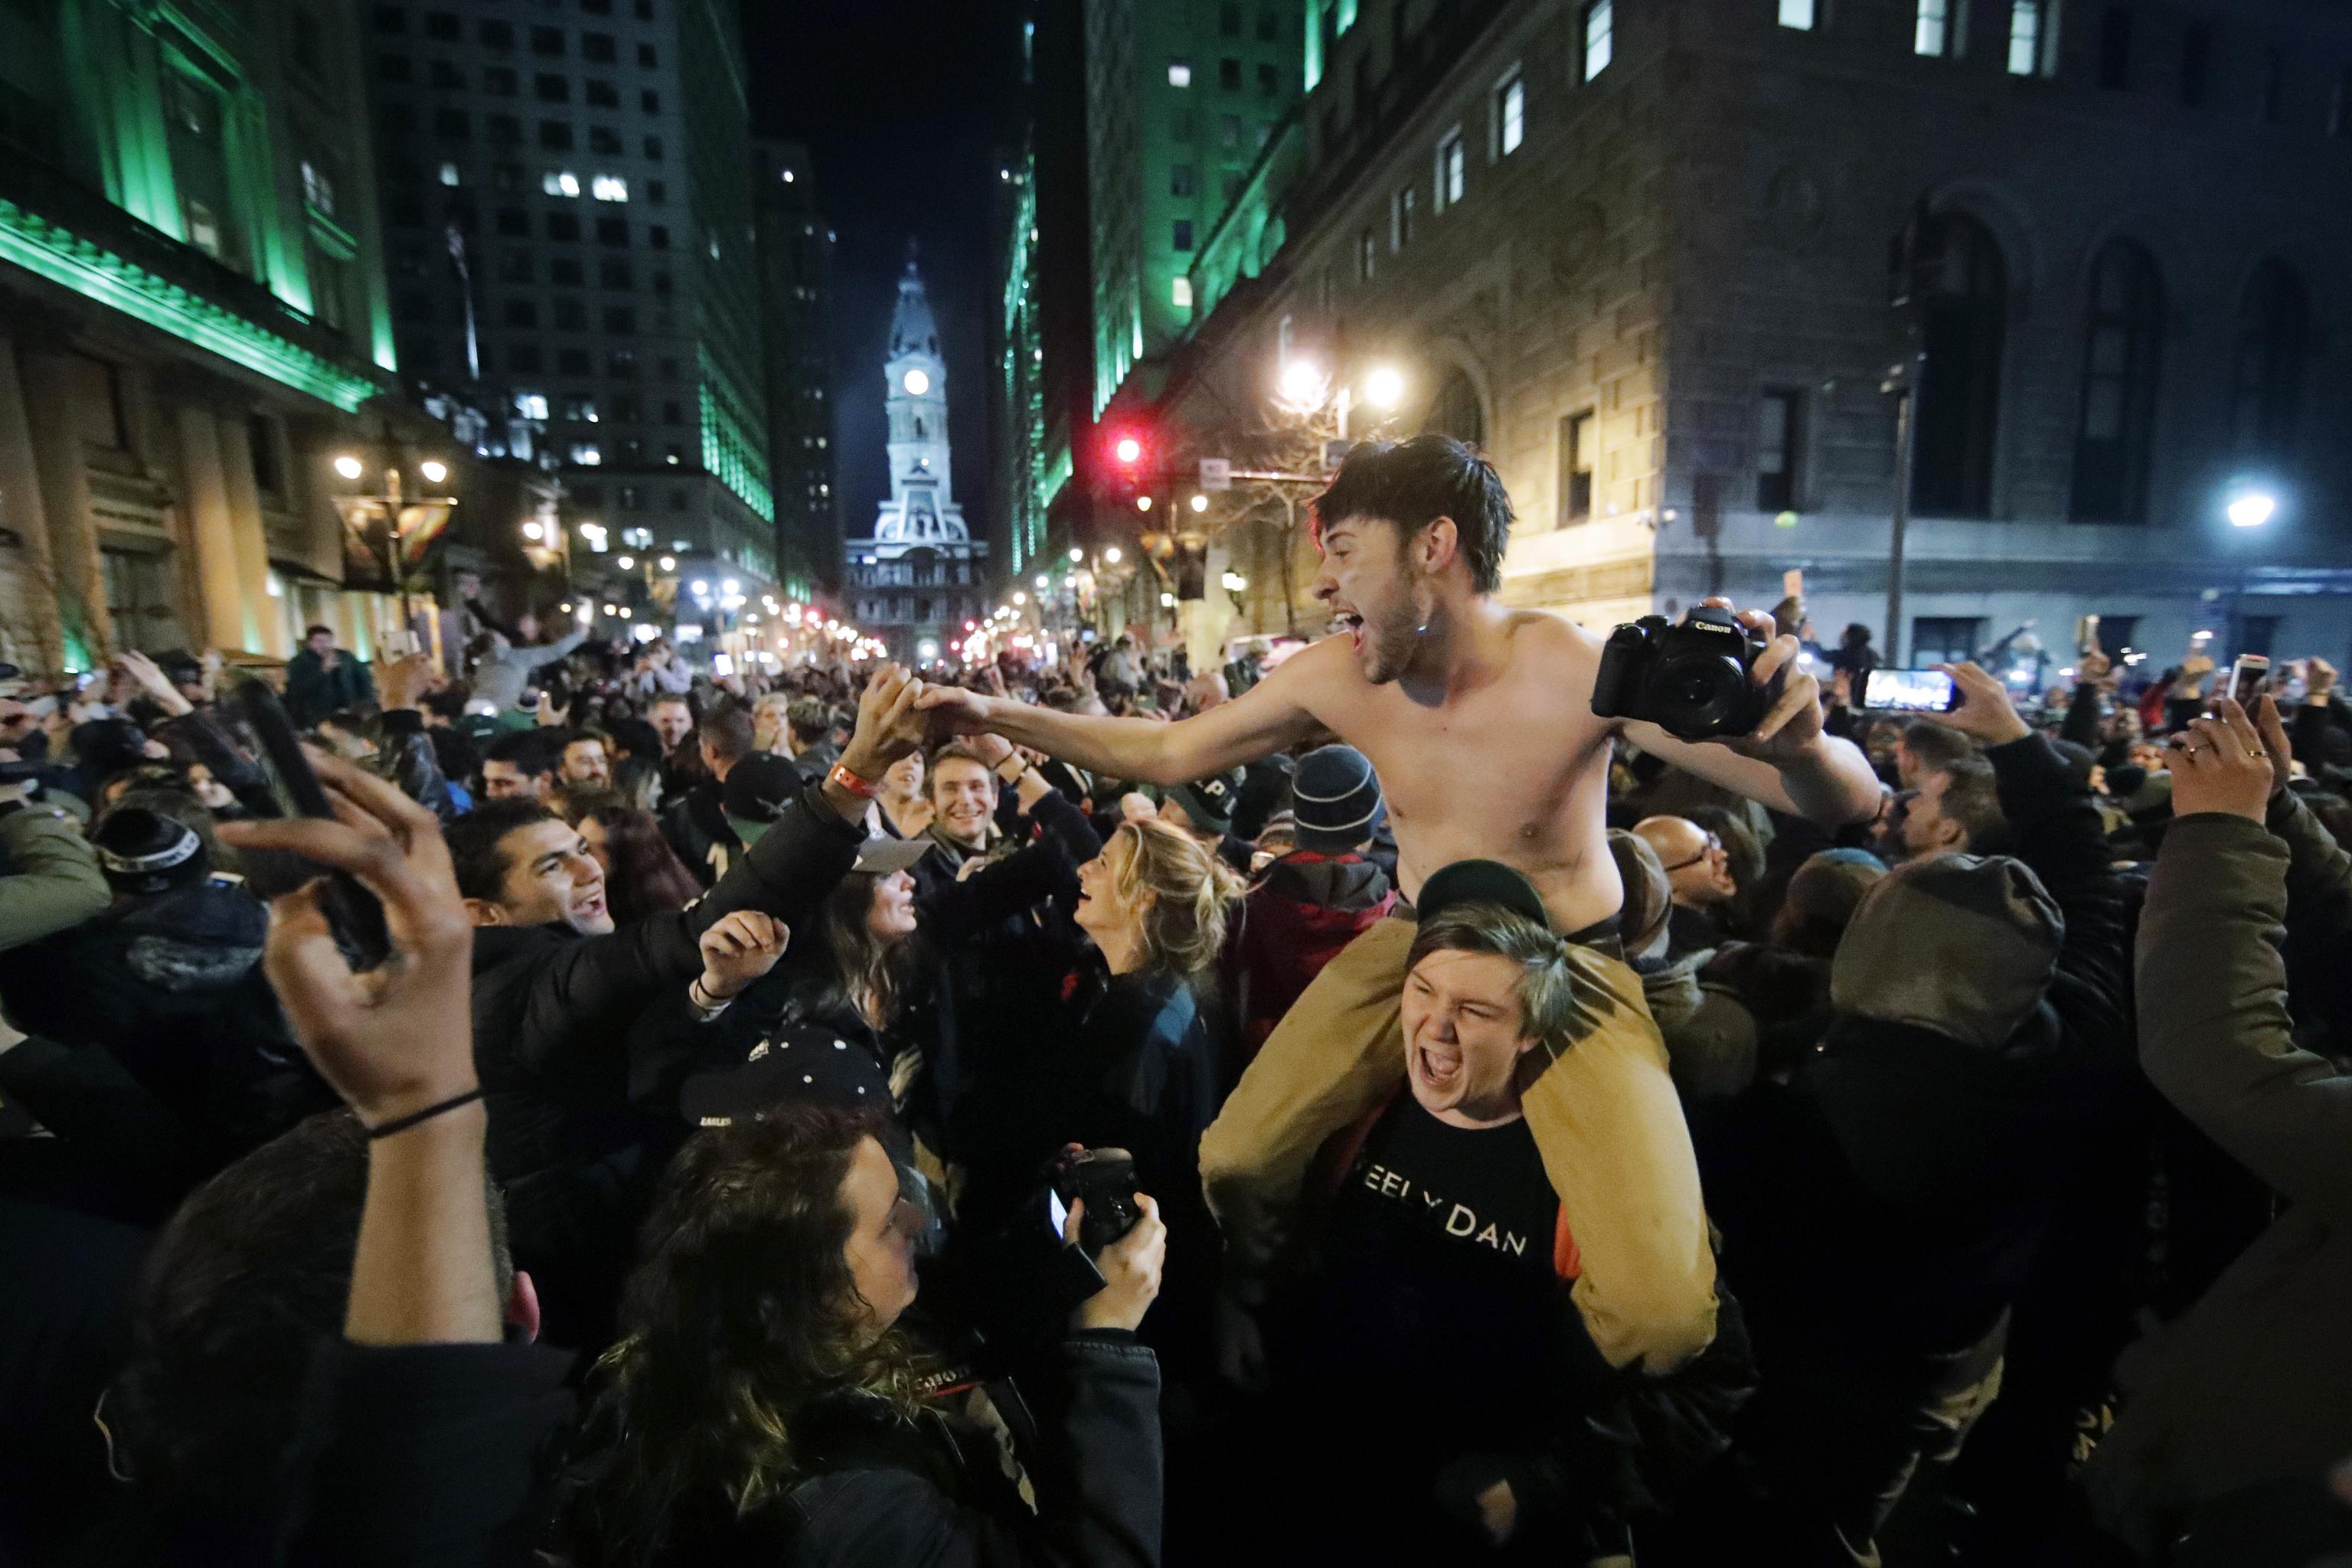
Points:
[(917, 384)]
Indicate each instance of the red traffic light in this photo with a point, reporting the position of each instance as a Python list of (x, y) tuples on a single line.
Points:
[(1127, 449)]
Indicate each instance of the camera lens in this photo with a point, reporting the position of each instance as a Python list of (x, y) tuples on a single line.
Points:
[(1699, 695)]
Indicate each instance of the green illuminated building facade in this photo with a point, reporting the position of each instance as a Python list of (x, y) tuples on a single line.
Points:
[(570, 234), (1180, 99), (192, 306)]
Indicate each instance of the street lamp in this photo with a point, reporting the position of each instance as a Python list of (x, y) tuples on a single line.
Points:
[(1076, 555), (669, 562), (351, 467), (1384, 387), (434, 470), (1043, 582), (1143, 503), (533, 531), (2253, 509), (1111, 555), (1302, 383), (1200, 503)]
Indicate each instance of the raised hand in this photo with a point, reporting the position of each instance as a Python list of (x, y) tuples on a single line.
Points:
[(1794, 723), (404, 681), (953, 711), (153, 682), (1985, 712), (886, 729), (738, 949), (2219, 764), (398, 1037), (2319, 678), (1130, 1269)]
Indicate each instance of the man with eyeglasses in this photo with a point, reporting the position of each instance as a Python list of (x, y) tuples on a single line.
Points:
[(1699, 871)]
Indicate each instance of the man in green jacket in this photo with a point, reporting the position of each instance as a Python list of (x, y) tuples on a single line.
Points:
[(49, 879), (2234, 1414)]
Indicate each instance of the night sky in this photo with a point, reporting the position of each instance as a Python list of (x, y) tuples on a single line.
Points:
[(909, 108)]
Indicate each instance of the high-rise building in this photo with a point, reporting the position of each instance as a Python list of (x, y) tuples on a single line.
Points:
[(795, 258), (1044, 336), (1180, 100), (569, 225), (192, 307), (921, 576)]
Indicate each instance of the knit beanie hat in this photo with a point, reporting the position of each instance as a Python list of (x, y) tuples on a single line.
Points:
[(1210, 801), (1337, 798), (143, 851), (1965, 946), (1830, 886)]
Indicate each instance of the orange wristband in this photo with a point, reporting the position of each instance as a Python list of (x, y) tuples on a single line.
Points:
[(850, 781)]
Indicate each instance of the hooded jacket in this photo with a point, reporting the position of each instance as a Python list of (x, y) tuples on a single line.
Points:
[(1979, 1062)]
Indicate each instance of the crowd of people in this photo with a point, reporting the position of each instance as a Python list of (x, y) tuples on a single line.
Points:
[(1866, 1137)]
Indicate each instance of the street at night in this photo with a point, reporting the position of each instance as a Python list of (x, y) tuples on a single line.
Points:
[(1112, 782)]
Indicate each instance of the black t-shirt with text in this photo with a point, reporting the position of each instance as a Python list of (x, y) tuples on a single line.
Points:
[(1437, 1298)]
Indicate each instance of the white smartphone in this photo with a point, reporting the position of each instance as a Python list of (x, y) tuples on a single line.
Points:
[(2247, 678)]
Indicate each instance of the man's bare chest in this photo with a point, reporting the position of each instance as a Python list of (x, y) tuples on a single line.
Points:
[(1514, 751)]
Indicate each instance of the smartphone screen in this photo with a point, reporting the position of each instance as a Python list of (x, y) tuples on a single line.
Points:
[(1909, 691), (1057, 1213), (2247, 678)]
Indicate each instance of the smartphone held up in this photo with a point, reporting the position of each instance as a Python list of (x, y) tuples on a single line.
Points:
[(1910, 691), (354, 912)]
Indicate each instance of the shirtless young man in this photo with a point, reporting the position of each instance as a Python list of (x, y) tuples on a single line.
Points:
[(1479, 719)]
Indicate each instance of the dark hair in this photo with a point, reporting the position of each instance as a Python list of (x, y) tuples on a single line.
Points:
[(474, 839), (1413, 483), (104, 747), (742, 1314), (310, 632), (449, 703), (1971, 797), (1939, 749), (647, 876), (246, 1282), (635, 738), (728, 731), (1856, 635), (863, 973), (529, 753), (809, 718)]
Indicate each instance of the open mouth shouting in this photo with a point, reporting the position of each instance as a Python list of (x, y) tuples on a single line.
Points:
[(1350, 623)]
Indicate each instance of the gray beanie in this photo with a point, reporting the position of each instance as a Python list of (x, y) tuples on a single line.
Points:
[(1965, 946), (1337, 798)]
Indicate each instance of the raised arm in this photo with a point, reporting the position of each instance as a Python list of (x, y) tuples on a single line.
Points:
[(1790, 763), (1274, 714)]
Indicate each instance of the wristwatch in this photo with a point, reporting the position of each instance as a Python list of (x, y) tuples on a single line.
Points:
[(1019, 766)]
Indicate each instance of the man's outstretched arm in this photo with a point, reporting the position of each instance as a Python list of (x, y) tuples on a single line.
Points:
[(1271, 716)]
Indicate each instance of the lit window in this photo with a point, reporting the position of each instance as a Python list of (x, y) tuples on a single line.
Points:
[(1449, 170), (1180, 73), (1180, 293), (587, 453), (565, 184), (1931, 33), (532, 405), (1600, 35), (1511, 113), (611, 188), (449, 173), (2025, 37), (319, 190), (1797, 14)]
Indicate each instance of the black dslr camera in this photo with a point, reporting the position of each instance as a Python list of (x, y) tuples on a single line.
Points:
[(1691, 680), (1105, 1178)]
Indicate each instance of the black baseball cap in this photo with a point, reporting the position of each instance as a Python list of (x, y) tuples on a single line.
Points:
[(1481, 882)]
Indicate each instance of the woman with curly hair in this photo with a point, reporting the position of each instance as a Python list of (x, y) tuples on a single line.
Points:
[(763, 1405)]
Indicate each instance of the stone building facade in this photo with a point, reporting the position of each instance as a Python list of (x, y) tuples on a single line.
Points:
[(191, 308), (1639, 250)]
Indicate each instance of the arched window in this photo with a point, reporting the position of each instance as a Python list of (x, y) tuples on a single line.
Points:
[(1456, 413), (2122, 349), (1963, 303), (2266, 390)]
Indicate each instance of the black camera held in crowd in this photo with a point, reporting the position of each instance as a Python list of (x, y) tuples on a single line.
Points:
[(1692, 680), (1105, 1178)]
